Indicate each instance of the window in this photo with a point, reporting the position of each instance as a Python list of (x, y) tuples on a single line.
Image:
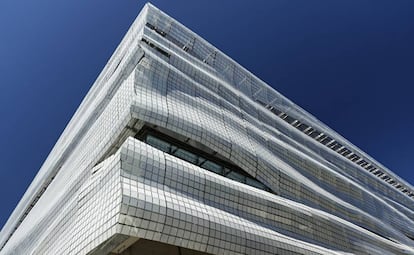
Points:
[(213, 167), (185, 152)]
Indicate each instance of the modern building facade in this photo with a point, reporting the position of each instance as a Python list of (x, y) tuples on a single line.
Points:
[(177, 149)]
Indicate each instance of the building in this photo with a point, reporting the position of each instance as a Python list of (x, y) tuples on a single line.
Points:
[(177, 149)]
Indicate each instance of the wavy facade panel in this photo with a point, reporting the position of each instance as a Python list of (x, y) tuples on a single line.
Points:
[(178, 149)]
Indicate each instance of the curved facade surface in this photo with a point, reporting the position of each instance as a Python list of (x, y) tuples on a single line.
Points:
[(178, 147)]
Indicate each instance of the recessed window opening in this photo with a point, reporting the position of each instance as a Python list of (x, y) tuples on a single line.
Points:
[(302, 127), (275, 111), (289, 119), (336, 146), (186, 152), (313, 133), (309, 131), (295, 123), (156, 29), (152, 45), (363, 163), (321, 137), (341, 151), (329, 142), (326, 140)]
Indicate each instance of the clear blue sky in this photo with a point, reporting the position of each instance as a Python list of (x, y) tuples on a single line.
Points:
[(350, 63)]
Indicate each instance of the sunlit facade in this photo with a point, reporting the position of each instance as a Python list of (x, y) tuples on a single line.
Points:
[(177, 149)]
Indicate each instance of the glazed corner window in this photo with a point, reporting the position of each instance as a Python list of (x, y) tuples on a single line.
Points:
[(196, 157)]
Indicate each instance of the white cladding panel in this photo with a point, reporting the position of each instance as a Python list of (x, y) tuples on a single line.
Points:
[(105, 184)]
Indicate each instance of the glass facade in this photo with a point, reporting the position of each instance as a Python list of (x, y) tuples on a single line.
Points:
[(174, 149)]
